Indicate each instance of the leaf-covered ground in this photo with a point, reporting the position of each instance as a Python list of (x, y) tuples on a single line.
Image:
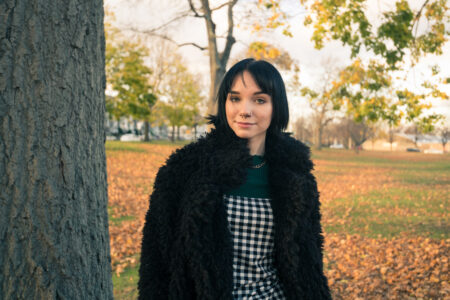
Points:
[(385, 218)]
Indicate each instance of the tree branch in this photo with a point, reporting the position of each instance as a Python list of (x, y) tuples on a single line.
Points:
[(230, 38), (192, 44), (181, 16), (194, 10), (211, 31), (165, 37), (419, 13), (328, 120), (222, 5)]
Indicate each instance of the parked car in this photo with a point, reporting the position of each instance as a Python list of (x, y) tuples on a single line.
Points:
[(129, 137), (337, 146), (412, 150)]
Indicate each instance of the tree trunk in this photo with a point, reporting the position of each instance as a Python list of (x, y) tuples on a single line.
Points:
[(172, 138), (54, 241), (319, 137), (146, 131), (217, 60), (119, 130), (195, 134), (216, 77)]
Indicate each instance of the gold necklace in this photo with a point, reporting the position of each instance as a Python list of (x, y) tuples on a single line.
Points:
[(258, 165)]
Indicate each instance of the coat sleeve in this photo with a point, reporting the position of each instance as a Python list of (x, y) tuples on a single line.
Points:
[(154, 273), (318, 236)]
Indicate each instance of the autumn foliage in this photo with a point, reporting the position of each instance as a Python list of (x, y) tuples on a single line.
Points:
[(384, 217)]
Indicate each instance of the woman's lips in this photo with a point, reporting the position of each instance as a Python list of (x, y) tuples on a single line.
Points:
[(245, 124)]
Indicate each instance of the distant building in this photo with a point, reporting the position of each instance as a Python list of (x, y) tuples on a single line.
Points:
[(404, 141)]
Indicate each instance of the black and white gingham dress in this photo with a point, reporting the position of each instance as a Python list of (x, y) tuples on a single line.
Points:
[(251, 224)]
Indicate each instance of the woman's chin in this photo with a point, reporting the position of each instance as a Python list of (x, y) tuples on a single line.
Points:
[(242, 134)]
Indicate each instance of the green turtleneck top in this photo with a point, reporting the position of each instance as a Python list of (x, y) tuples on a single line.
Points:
[(256, 184)]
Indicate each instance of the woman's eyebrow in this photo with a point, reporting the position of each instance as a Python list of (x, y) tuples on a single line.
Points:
[(260, 93), (256, 93)]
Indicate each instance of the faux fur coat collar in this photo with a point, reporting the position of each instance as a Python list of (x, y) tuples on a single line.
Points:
[(187, 250)]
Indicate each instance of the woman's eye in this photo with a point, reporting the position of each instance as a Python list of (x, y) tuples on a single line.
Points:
[(234, 99), (260, 101)]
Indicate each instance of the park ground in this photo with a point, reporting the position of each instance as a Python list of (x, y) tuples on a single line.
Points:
[(384, 215)]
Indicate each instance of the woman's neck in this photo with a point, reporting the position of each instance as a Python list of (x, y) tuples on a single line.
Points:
[(257, 145)]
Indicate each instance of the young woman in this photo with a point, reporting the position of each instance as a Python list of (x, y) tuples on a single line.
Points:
[(236, 215)]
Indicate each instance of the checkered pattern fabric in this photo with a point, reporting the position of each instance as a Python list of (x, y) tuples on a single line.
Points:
[(251, 224)]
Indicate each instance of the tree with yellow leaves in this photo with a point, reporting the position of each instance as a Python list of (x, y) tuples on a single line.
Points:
[(396, 44)]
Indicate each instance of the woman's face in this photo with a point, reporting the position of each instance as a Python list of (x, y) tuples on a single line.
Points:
[(248, 109)]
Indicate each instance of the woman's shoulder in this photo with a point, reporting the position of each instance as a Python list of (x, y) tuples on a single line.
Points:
[(288, 151), (295, 144), (187, 157), (179, 167)]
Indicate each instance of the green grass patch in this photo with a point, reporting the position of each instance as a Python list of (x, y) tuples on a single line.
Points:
[(125, 286), (118, 146), (117, 220), (392, 226), (349, 156), (168, 142), (124, 146), (384, 159), (423, 178), (424, 174), (389, 212)]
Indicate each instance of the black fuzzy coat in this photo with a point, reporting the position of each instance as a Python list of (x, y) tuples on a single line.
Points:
[(187, 250)]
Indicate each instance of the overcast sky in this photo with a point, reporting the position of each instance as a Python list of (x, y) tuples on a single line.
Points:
[(146, 14)]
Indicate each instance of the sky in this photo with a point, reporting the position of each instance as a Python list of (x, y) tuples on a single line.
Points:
[(147, 14)]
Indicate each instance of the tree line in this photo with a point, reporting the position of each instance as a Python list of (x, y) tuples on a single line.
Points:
[(361, 98), (368, 90), (151, 84)]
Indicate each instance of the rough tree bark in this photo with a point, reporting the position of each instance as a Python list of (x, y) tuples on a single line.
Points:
[(54, 241)]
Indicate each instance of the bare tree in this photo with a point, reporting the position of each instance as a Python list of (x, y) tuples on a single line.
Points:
[(376, 132), (444, 135), (415, 131), (301, 130), (392, 131), (54, 241), (218, 59), (321, 100), (336, 133), (163, 57), (359, 132)]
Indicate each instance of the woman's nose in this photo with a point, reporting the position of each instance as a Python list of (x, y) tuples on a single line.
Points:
[(245, 108)]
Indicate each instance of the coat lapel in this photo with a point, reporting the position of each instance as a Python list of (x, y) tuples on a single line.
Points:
[(204, 237), (288, 162)]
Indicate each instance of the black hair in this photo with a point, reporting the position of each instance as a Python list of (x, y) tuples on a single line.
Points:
[(269, 81)]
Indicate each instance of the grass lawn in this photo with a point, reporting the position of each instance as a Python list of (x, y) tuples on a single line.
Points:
[(410, 195), (125, 285)]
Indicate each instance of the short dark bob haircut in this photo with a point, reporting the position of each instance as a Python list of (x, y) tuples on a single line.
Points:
[(269, 81)]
